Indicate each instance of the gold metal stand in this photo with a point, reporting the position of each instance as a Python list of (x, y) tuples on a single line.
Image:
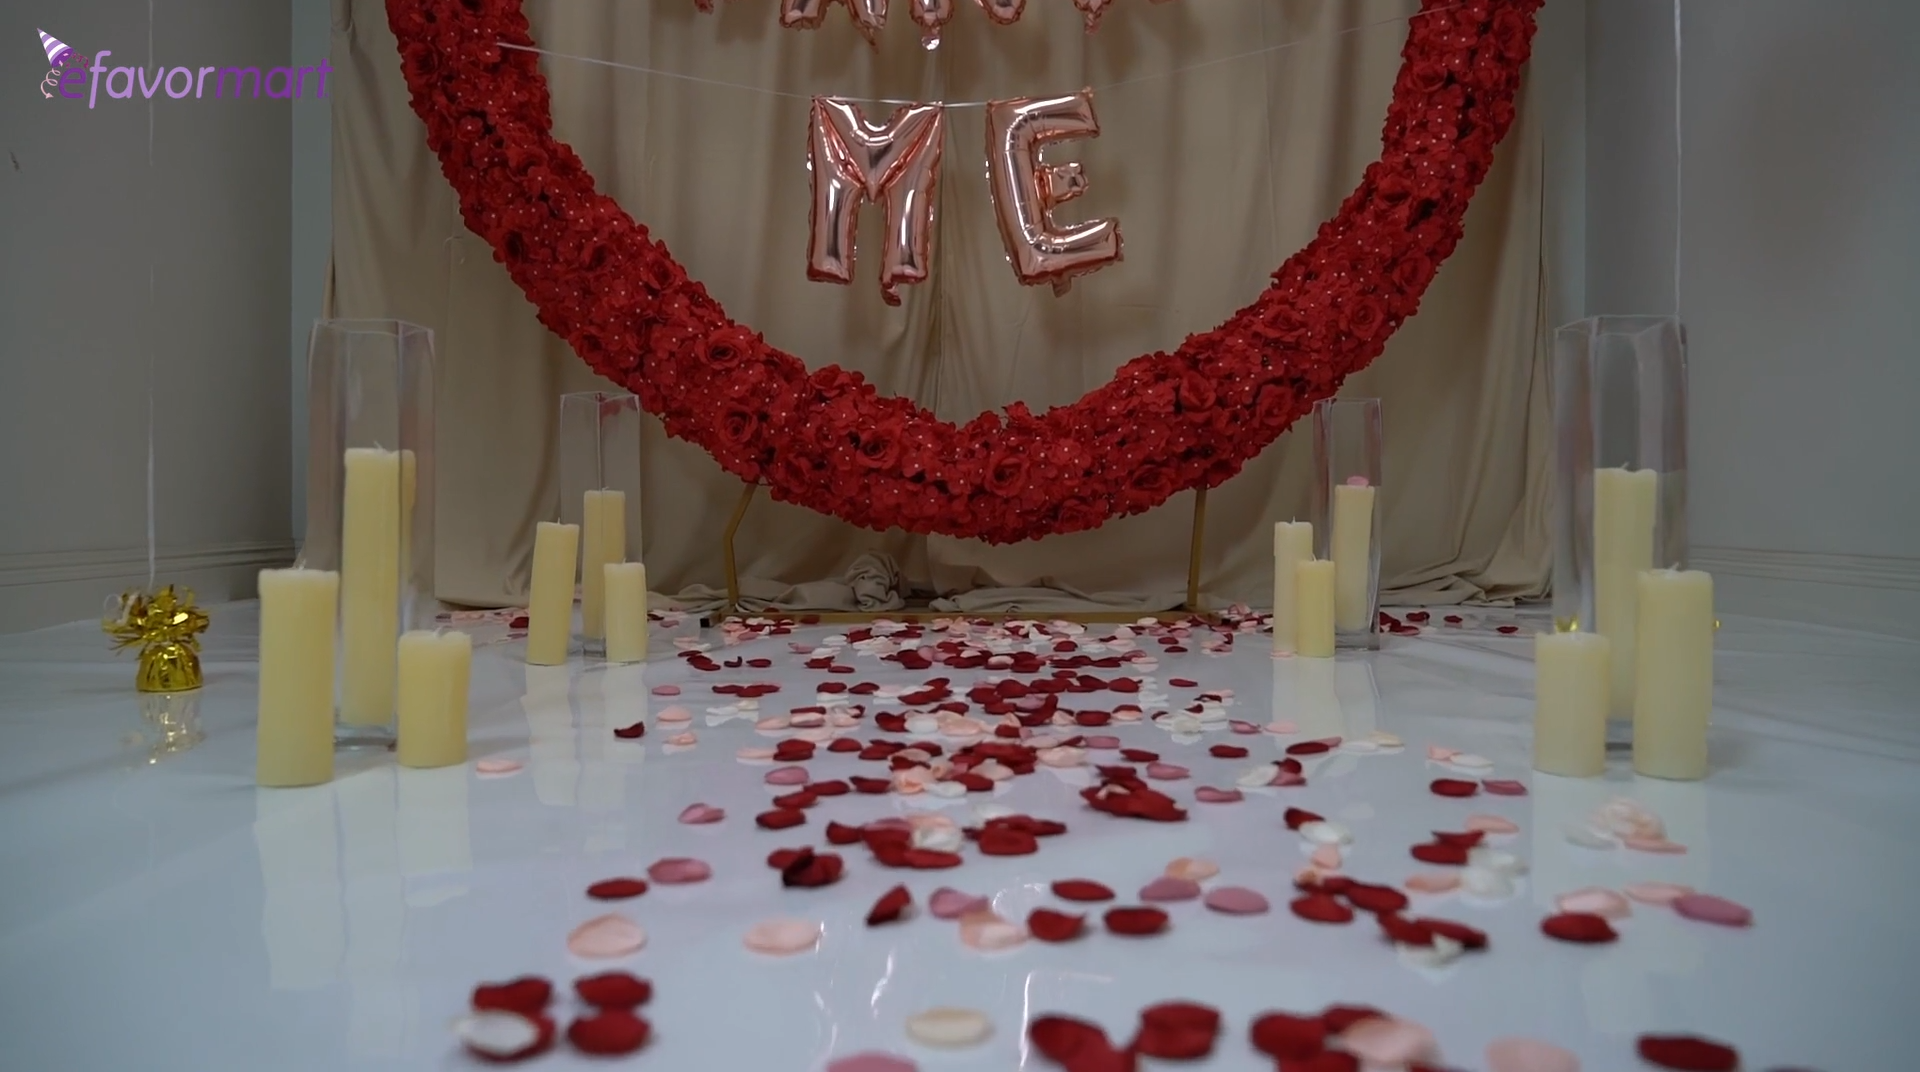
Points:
[(1190, 609)]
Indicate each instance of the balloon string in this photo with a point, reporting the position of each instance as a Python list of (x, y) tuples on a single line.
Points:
[(698, 80), (152, 545)]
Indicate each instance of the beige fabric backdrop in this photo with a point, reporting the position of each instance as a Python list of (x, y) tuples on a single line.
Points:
[(1217, 173)]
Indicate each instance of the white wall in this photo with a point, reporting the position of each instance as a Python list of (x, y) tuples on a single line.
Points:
[(1799, 281), (312, 238), (142, 242)]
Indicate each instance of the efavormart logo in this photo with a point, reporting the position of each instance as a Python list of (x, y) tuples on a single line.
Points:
[(73, 77)]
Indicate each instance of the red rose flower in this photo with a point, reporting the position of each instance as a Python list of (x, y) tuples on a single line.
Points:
[(738, 424), (1196, 391)]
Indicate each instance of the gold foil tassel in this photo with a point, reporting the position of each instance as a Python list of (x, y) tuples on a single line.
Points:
[(166, 626)]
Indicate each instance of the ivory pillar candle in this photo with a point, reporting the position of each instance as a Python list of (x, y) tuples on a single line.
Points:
[(1351, 546), (1673, 676), (369, 585), (603, 539), (298, 610), (1292, 543), (1313, 591), (626, 585), (434, 672), (550, 605), (1624, 502), (1572, 680)]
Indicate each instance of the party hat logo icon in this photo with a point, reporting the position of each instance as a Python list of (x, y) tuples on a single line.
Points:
[(57, 49)]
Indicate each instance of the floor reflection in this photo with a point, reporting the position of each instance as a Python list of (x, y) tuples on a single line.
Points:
[(552, 742), (172, 724), (1326, 698)]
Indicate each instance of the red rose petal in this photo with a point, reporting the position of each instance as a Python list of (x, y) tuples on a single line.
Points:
[(1454, 787), (842, 834), (628, 733), (843, 744), (1444, 855), (1321, 908), (1375, 899), (614, 990), (1308, 748), (679, 870), (1706, 908), (1065, 1040), (1507, 629), (1402, 931), (1001, 841), (1687, 1053), (1581, 927), (609, 1033), (1177, 1031), (1284, 1036), (1503, 788), (527, 995), (1208, 794), (891, 905), (1465, 839), (930, 860), (1468, 937), (1299, 817), (617, 889), (815, 870), (1139, 755), (1183, 683), (797, 799), (871, 785), (1049, 926), (1077, 889), (1135, 922), (1228, 751), (780, 818)]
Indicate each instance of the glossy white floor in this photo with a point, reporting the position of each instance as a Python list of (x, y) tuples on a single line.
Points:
[(161, 913)]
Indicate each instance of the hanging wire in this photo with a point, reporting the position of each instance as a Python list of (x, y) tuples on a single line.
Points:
[(718, 83)]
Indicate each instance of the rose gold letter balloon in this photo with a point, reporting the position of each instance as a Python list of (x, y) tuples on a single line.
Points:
[(869, 15), (931, 15), (1026, 191), (895, 164), (1003, 12)]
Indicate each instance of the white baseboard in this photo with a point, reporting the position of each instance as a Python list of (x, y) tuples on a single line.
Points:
[(1871, 594), (39, 589)]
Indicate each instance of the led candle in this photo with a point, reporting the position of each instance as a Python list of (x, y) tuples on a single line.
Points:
[(603, 539), (1571, 685), (369, 585), (1351, 546), (1623, 515), (626, 584), (550, 605), (434, 673), (1673, 676), (1313, 608), (1292, 543), (295, 730)]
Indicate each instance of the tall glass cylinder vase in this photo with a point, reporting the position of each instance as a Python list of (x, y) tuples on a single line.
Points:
[(1346, 521), (1620, 498), (600, 492), (370, 504)]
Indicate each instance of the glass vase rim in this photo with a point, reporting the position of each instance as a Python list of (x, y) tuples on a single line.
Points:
[(1619, 323), (372, 326)]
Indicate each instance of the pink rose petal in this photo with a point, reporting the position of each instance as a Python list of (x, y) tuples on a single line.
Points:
[(606, 937), (754, 755), (1504, 788), (1707, 908), (788, 776), (1240, 727), (666, 690), (1282, 726), (1387, 1041), (783, 937), (1237, 901), (1595, 901), (1492, 824), (674, 714), (1529, 1055), (1660, 846), (682, 740), (1433, 882), (679, 871), (1286, 779), (952, 904), (696, 814), (1326, 858), (1191, 867), (496, 765), (1207, 794), (1657, 893), (1166, 772), (1440, 754), (1167, 888), (1102, 743)]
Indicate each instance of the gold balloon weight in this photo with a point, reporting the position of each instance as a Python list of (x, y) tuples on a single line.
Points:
[(166, 627)]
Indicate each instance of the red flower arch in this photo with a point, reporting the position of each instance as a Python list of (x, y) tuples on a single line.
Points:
[(825, 438)]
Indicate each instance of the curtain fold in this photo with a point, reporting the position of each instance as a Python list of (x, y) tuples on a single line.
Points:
[(1218, 165)]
